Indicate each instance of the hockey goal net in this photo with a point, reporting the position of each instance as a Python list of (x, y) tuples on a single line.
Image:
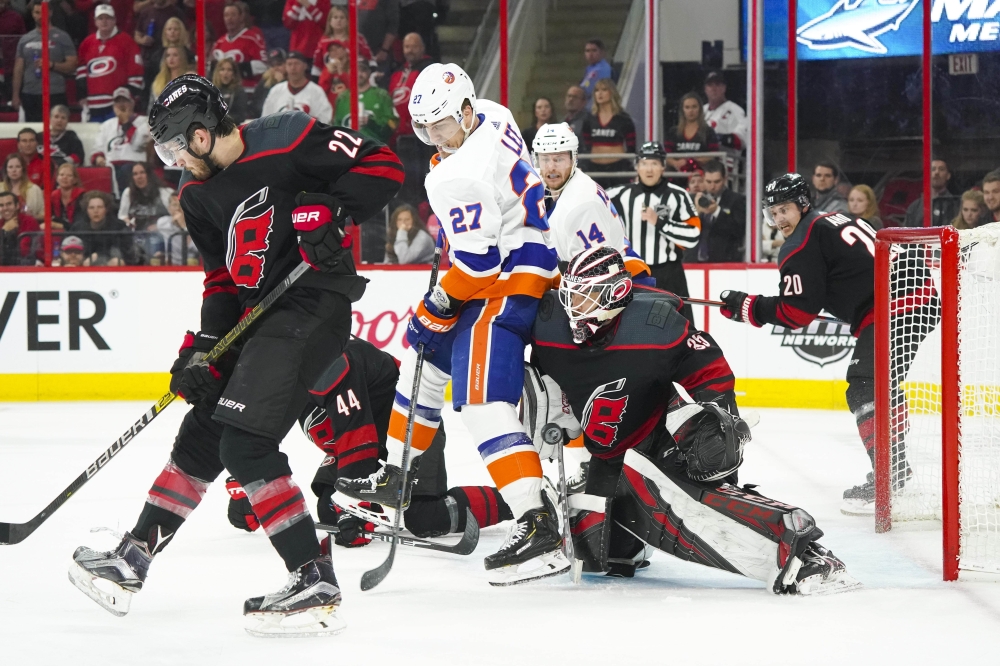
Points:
[(937, 388)]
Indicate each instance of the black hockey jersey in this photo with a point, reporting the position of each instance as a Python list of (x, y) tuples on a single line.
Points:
[(619, 388), (241, 218), (828, 263)]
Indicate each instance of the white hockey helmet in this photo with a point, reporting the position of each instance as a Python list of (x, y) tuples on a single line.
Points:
[(555, 138), (438, 93)]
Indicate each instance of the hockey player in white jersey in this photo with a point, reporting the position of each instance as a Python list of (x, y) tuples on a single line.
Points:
[(476, 323)]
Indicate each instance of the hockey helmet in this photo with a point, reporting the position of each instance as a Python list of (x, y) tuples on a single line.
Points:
[(186, 100), (553, 139), (439, 93), (790, 187), (651, 150), (594, 289)]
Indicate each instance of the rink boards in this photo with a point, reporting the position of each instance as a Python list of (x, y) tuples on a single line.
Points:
[(112, 334)]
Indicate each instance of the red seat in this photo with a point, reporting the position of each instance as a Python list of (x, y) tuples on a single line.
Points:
[(95, 178), (897, 195), (7, 146)]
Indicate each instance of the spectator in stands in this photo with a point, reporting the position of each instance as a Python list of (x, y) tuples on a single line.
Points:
[(338, 29), (27, 90), (150, 22), (173, 228), (401, 81), (174, 34), (144, 200), (376, 115), (692, 134), (336, 72), (723, 218), (11, 21), (861, 203), (244, 46), (575, 104), (608, 129), (991, 196), (123, 140), (65, 199), (298, 92), (305, 18), (408, 241), (422, 17), (107, 61), (726, 117), (174, 63), (973, 211), (70, 253), (597, 67), (113, 247), (827, 197), (27, 147), (274, 74), (227, 79), (14, 251), (378, 21), (696, 181), (15, 179), (64, 144), (543, 114), (944, 205)]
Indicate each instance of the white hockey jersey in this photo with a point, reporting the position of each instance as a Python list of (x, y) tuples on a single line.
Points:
[(490, 202), (122, 144), (729, 118), (310, 100), (583, 216)]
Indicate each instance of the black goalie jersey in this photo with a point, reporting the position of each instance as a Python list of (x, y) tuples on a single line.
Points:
[(241, 218), (620, 386)]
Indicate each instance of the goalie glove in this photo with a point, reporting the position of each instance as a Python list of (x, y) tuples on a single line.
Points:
[(546, 414), (710, 439)]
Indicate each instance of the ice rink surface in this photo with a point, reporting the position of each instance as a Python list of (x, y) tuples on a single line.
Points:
[(438, 609)]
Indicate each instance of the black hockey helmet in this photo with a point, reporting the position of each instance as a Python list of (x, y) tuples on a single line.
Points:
[(594, 289), (789, 187), (186, 100), (651, 150)]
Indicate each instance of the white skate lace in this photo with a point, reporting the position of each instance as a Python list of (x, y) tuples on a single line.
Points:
[(575, 478), (115, 533), (514, 532)]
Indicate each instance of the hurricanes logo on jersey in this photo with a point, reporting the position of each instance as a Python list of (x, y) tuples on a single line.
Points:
[(249, 231), (604, 412)]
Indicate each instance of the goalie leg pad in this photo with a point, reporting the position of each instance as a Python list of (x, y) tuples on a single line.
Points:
[(725, 527), (590, 525)]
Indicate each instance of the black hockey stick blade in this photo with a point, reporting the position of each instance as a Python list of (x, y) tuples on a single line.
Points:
[(465, 546), (11, 533)]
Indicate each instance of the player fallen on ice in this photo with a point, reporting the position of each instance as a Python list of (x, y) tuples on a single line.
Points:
[(663, 471), (827, 262), (476, 323), (258, 199)]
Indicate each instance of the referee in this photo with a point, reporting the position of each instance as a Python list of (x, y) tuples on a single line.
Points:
[(660, 221)]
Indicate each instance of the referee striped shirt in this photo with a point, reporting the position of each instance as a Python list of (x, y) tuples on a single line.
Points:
[(678, 225)]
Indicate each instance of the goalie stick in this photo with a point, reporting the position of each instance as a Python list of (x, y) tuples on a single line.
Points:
[(465, 546), (11, 533)]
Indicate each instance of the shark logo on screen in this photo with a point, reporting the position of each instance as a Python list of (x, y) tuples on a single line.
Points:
[(855, 24)]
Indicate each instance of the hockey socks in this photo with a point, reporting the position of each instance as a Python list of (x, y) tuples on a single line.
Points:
[(172, 497), (285, 518), (437, 516)]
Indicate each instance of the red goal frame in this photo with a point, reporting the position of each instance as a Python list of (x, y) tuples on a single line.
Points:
[(947, 239)]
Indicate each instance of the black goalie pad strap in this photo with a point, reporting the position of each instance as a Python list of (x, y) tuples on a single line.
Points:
[(590, 525)]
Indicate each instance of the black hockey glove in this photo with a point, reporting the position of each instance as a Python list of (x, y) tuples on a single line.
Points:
[(241, 513), (352, 530), (739, 307), (191, 377), (318, 219)]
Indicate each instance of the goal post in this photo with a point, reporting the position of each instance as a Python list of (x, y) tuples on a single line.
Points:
[(937, 388)]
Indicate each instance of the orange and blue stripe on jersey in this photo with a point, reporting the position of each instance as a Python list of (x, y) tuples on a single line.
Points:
[(529, 270), (634, 263)]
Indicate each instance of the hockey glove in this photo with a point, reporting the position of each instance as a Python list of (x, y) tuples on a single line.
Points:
[(191, 377), (352, 530), (739, 307), (241, 513), (318, 220), (435, 316)]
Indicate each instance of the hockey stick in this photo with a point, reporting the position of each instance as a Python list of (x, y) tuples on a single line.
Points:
[(370, 579), (567, 536), (720, 304), (465, 546), (11, 533)]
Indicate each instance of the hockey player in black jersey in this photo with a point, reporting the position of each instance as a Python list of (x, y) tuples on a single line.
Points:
[(827, 262), (347, 417), (258, 200), (663, 471)]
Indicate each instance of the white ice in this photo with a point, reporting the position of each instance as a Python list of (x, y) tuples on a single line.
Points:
[(439, 609)]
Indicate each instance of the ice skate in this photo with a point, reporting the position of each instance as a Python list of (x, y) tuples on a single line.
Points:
[(532, 550), (373, 498), (111, 577), (577, 481), (818, 572), (860, 500), (306, 606)]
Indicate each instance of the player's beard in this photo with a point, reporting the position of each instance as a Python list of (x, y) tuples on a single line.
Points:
[(200, 171)]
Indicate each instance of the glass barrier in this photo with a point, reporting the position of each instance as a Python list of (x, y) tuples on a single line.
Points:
[(101, 248)]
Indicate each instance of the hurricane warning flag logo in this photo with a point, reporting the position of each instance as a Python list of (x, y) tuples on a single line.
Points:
[(448, 77)]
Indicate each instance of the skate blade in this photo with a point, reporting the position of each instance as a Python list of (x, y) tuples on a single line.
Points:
[(854, 507), (350, 505), (537, 568), (836, 583), (318, 621), (116, 599)]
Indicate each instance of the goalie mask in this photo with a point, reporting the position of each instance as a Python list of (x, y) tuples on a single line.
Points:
[(595, 288), (710, 439)]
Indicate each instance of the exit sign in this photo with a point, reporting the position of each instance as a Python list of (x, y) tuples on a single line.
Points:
[(963, 63)]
